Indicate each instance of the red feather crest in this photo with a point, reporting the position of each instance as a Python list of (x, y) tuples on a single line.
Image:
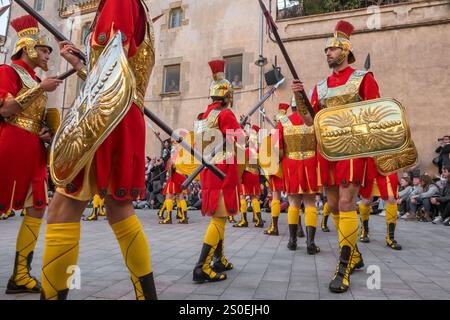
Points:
[(345, 27), (24, 22)]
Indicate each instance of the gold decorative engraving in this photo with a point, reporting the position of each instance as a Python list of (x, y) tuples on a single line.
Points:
[(362, 129), (390, 163), (142, 64), (299, 141), (33, 101), (106, 98)]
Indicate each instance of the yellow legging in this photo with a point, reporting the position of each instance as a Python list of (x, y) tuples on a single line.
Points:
[(275, 208), (60, 253), (311, 216), (293, 215), (25, 244), (135, 250)]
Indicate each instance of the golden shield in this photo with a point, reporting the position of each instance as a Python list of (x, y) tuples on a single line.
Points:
[(105, 99), (364, 129), (389, 163)]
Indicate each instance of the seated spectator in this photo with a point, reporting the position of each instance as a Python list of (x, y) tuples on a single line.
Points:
[(195, 198), (416, 189), (422, 201), (442, 201), (404, 192)]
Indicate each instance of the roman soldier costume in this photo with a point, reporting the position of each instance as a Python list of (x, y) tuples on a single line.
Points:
[(276, 181), (173, 189), (341, 88), (23, 165), (219, 198), (103, 151), (250, 185), (298, 145)]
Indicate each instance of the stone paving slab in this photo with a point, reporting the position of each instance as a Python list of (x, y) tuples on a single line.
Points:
[(264, 267)]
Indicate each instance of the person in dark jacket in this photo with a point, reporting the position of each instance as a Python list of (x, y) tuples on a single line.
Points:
[(443, 201)]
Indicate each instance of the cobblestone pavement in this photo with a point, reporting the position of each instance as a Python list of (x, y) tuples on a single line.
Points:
[(264, 267)]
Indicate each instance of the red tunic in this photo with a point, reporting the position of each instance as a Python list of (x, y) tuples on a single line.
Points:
[(211, 184), (120, 160), (276, 183), (173, 184), (300, 176), (346, 171), (22, 154), (250, 180), (372, 176)]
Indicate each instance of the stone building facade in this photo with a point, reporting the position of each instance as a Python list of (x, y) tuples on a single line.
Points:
[(407, 41)]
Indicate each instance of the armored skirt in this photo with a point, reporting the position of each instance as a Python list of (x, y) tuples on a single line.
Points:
[(378, 185), (173, 184), (250, 184)]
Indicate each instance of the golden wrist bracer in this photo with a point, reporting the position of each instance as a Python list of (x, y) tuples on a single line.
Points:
[(82, 73)]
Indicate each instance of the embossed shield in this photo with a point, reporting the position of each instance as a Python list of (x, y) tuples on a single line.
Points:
[(363, 129), (389, 163), (105, 99)]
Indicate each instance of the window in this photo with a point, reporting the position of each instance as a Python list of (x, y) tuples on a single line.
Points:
[(38, 5), (172, 79), (298, 8), (176, 18), (233, 70)]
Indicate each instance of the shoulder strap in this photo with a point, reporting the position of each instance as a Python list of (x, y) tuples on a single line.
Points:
[(322, 89), (24, 76)]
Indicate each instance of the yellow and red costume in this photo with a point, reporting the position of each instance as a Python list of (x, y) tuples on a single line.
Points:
[(119, 163), (173, 188), (174, 181), (276, 181), (24, 179), (356, 86), (344, 87), (223, 119), (219, 197), (250, 184), (23, 165), (117, 169), (386, 187), (297, 144)]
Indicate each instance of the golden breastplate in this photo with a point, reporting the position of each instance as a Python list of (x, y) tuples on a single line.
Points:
[(342, 95), (299, 140), (31, 118), (203, 131)]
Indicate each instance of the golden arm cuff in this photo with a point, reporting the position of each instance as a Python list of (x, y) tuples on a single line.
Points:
[(82, 73), (28, 97), (301, 106)]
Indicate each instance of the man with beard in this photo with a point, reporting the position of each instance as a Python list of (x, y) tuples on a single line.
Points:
[(342, 179)]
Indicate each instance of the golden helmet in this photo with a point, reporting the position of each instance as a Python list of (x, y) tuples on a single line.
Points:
[(220, 87), (28, 37), (341, 39)]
